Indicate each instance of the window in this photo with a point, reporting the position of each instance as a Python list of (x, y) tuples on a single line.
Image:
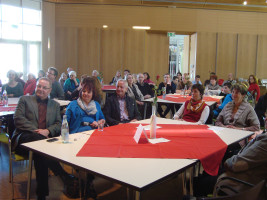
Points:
[(20, 37)]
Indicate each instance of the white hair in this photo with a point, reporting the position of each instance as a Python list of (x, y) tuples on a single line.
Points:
[(95, 71), (72, 73)]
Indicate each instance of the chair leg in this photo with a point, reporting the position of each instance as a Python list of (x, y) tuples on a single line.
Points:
[(29, 175)]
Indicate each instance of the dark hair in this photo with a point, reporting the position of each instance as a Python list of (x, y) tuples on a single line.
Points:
[(127, 70), (42, 72), (228, 84), (179, 73), (197, 76), (175, 77), (148, 77), (199, 87), (53, 69), (254, 77), (92, 84), (240, 88), (214, 77), (167, 74), (212, 73)]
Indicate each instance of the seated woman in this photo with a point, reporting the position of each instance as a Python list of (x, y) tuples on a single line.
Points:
[(116, 78), (238, 114), (85, 113), (13, 88), (213, 87), (254, 88), (30, 85), (134, 92), (71, 84), (147, 79), (62, 79), (194, 110)]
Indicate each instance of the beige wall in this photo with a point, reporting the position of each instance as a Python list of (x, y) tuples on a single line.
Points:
[(227, 41)]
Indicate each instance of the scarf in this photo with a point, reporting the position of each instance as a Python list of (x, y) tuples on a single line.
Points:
[(195, 106), (90, 109)]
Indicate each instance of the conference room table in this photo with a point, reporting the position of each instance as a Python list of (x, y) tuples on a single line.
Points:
[(137, 173), (180, 99)]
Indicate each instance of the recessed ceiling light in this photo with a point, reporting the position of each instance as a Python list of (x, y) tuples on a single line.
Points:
[(245, 3), (105, 26), (141, 27)]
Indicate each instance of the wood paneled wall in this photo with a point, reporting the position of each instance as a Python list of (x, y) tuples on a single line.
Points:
[(227, 41)]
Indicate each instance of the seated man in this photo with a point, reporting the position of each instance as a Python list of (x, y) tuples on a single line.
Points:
[(249, 165), (120, 108), (197, 80), (36, 118)]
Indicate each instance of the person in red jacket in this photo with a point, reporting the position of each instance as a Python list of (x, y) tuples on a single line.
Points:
[(195, 109), (30, 85), (254, 88)]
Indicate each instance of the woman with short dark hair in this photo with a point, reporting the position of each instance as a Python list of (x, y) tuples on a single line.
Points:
[(195, 109)]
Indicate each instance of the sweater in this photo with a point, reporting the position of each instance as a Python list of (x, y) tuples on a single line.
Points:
[(253, 88), (30, 87)]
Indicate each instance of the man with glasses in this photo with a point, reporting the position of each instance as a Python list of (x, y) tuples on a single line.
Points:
[(57, 90), (37, 117)]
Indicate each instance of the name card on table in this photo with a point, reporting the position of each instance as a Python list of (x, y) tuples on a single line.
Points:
[(140, 129)]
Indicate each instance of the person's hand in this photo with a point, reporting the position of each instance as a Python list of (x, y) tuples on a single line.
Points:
[(231, 126), (217, 105), (140, 103), (10, 95), (101, 121), (147, 96), (69, 92), (44, 132), (94, 124), (134, 120)]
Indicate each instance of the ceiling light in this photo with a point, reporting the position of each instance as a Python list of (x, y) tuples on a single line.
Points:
[(105, 26), (245, 3), (141, 27)]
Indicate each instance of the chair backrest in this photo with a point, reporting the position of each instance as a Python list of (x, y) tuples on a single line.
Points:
[(257, 192)]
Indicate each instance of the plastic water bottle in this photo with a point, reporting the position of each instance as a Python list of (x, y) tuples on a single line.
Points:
[(164, 92), (65, 130), (206, 92), (5, 98), (185, 89)]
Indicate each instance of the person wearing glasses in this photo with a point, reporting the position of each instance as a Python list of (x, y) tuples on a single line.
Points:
[(57, 91), (37, 117)]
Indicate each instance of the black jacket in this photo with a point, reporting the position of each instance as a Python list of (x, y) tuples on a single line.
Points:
[(112, 110)]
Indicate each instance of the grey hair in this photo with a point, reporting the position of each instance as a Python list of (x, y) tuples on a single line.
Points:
[(124, 81), (45, 79), (73, 73), (95, 71)]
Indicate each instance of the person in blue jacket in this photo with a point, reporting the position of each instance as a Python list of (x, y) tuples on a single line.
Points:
[(85, 113), (228, 98)]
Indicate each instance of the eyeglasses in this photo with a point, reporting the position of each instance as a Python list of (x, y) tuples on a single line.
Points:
[(45, 88), (50, 73)]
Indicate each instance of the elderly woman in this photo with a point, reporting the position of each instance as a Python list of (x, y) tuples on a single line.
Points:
[(116, 78), (195, 109), (213, 87), (62, 79), (95, 73), (30, 84), (254, 88), (71, 84), (13, 88), (238, 114), (85, 113)]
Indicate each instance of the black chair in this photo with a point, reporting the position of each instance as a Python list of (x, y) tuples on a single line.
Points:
[(256, 192)]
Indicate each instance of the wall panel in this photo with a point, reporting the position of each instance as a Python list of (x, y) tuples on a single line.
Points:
[(133, 50), (262, 58), (66, 49), (246, 55), (206, 54), (88, 50), (111, 51), (156, 55), (226, 54)]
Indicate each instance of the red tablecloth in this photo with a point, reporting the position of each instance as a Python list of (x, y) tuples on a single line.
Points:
[(11, 107), (108, 87), (186, 141), (181, 99)]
